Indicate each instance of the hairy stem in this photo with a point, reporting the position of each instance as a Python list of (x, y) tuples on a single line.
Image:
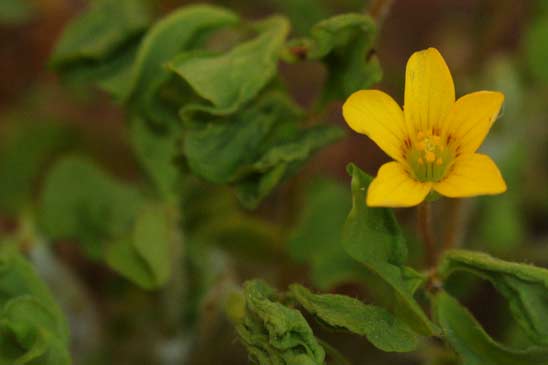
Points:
[(424, 216)]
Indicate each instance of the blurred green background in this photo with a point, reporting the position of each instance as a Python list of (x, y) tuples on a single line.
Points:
[(488, 44)]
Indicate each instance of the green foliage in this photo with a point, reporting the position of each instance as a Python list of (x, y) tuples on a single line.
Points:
[(231, 79), (473, 344), (99, 44), (225, 99), (145, 256), (344, 43), (24, 153), (524, 286), (373, 238), (32, 327), (222, 152), (380, 327), (180, 31), (79, 201), (316, 239), (272, 333), (255, 149)]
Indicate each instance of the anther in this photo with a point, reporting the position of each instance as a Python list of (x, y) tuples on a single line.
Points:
[(430, 156)]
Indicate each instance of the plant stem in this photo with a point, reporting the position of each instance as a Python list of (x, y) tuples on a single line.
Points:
[(453, 224), (424, 216)]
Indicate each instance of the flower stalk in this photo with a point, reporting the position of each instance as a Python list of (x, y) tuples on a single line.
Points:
[(424, 220)]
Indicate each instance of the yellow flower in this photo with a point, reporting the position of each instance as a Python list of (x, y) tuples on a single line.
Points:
[(433, 140)]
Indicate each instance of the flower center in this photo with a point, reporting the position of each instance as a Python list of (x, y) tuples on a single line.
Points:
[(429, 156)]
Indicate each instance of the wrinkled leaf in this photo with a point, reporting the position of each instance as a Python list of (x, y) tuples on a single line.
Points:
[(381, 328), (473, 344), (79, 201), (145, 256), (28, 334), (32, 326), (283, 160), (272, 333), (223, 151), (524, 286), (18, 278), (231, 79), (372, 237)]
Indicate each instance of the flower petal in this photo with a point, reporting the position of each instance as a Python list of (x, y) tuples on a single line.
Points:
[(471, 175), (471, 118), (377, 115), (393, 187), (429, 90)]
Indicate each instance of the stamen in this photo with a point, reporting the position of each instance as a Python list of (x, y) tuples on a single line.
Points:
[(429, 156)]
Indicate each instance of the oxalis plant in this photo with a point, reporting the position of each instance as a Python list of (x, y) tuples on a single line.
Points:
[(215, 132)]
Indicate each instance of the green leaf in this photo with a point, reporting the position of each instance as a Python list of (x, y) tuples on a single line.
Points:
[(99, 44), (231, 79), (28, 334), (156, 148), (380, 327), (32, 327), (272, 332), (524, 286), (182, 30), (18, 278), (256, 148), (145, 257), (316, 239), (283, 160), (345, 44), (79, 201), (222, 151), (473, 344), (23, 153), (372, 237)]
